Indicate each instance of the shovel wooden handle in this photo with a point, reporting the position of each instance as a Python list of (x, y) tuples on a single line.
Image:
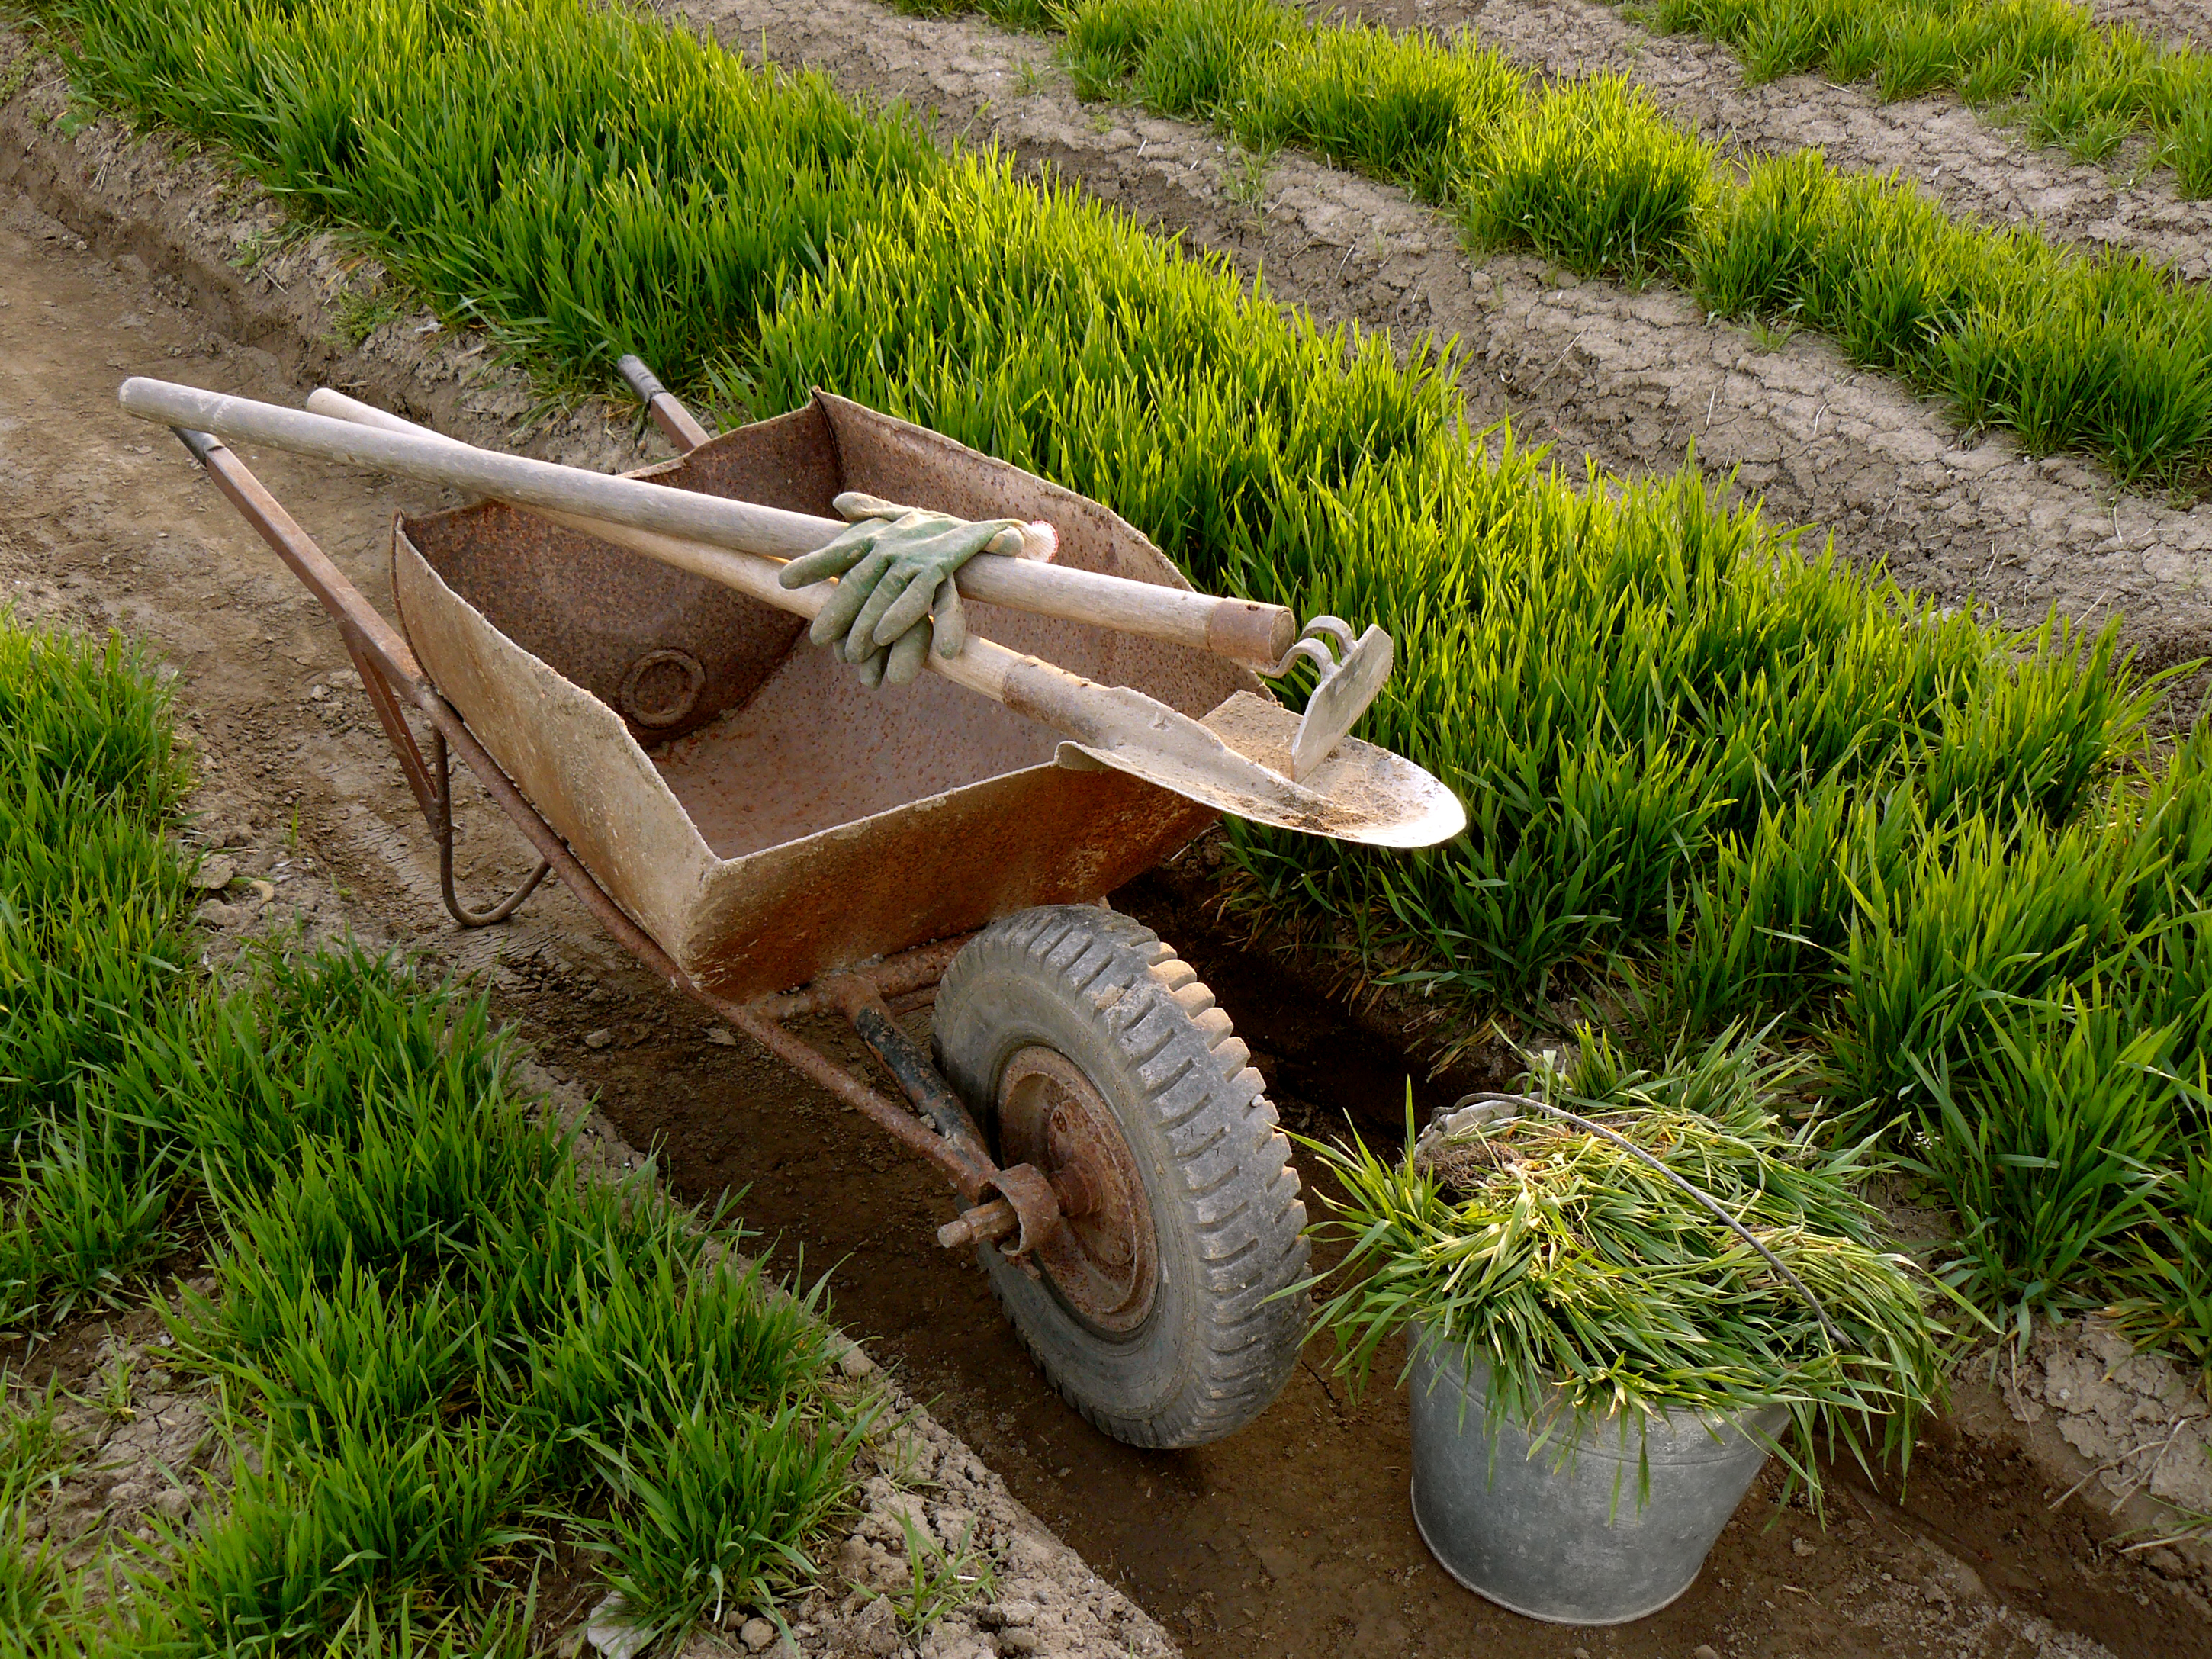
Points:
[(1257, 634)]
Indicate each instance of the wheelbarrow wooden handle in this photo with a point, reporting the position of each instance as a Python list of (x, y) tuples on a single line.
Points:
[(1257, 635), (1105, 717)]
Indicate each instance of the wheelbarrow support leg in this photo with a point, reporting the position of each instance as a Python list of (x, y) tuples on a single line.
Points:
[(389, 673)]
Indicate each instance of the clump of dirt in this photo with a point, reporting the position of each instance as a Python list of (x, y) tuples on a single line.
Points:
[(1461, 1167), (933, 1500)]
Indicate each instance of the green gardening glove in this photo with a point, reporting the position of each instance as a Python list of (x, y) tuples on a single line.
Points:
[(894, 566)]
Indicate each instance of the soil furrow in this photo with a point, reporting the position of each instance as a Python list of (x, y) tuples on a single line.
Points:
[(1971, 165), (1635, 380), (2177, 23)]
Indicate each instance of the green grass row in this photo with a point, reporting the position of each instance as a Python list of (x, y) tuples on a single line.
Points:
[(91, 944), (1710, 774), (2103, 353), (437, 1349), (2047, 63)]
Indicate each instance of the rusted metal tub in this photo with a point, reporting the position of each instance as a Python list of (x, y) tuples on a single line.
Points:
[(738, 792), (776, 840)]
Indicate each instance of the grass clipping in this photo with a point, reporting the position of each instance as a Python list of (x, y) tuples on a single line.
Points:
[(1593, 1288)]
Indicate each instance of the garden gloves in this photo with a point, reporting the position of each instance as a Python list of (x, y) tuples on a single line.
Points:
[(894, 566)]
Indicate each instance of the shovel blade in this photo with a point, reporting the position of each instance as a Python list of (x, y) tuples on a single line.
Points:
[(1357, 794)]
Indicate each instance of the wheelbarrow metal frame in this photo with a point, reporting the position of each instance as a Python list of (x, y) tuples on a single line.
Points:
[(1018, 1200)]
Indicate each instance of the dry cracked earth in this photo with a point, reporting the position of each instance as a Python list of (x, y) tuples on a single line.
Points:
[(119, 257)]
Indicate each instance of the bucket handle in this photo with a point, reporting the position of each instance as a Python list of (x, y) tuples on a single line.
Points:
[(1705, 1199)]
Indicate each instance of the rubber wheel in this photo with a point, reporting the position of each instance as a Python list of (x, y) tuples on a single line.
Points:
[(1159, 1315)]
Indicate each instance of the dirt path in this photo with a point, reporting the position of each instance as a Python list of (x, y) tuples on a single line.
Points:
[(1293, 1538), (1971, 164)]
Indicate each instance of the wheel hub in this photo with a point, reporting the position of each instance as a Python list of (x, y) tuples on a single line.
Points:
[(1102, 1259)]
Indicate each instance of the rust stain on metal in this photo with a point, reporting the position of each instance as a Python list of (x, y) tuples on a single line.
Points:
[(601, 615), (1103, 1259), (897, 978)]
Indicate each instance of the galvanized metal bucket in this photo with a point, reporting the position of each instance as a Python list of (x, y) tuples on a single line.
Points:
[(1559, 1531)]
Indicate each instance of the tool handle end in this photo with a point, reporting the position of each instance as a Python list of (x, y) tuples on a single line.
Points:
[(1251, 632), (640, 380)]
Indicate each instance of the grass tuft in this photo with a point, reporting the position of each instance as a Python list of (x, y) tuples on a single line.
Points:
[(449, 1343)]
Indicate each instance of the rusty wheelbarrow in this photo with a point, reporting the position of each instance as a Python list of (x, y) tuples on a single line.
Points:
[(746, 818)]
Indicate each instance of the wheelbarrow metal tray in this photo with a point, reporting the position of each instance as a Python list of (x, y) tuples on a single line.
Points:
[(760, 814)]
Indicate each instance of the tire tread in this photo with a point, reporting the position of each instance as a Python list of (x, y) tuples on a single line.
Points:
[(1238, 1189)]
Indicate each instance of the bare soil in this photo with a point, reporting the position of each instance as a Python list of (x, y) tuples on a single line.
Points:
[(1290, 1538), (2178, 23), (1974, 163)]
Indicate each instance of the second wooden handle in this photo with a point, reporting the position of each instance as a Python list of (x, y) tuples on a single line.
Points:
[(339, 428)]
